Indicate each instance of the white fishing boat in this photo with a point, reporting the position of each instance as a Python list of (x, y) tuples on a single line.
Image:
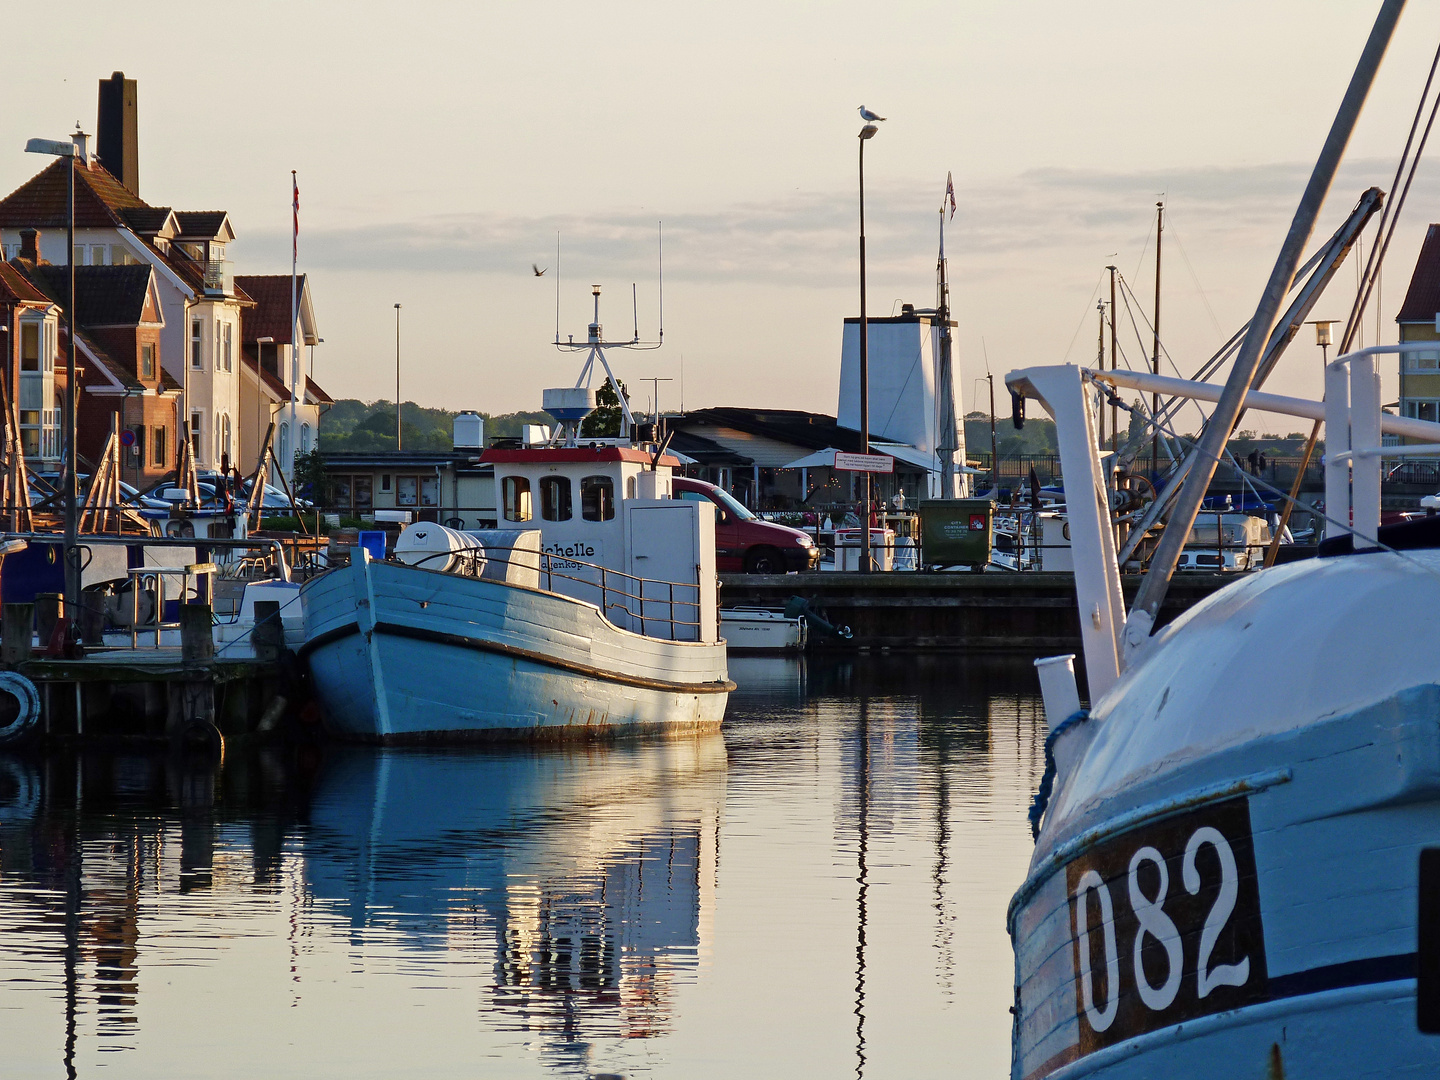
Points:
[(591, 610), (1226, 874)]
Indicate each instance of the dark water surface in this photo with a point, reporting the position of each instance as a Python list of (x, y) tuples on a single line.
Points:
[(818, 891)]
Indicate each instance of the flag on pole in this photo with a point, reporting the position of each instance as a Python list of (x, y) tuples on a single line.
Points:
[(949, 194), (295, 219)]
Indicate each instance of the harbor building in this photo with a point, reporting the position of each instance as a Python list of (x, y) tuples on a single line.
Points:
[(201, 302), (1419, 320)]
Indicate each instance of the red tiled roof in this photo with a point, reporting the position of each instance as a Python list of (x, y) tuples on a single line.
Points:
[(1422, 301), (270, 317), (269, 381), (40, 202), (15, 287), (314, 393)]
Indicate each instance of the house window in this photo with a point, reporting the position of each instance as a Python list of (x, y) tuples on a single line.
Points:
[(147, 361), (222, 439), (79, 254), (517, 499), (197, 359), (385, 481), (304, 438), (363, 488), (1422, 409), (219, 364), (283, 446), (29, 346), (47, 354), (97, 255), (30, 431), (597, 498), (555, 498), (406, 490), (1423, 361), (157, 446), (196, 420), (229, 345)]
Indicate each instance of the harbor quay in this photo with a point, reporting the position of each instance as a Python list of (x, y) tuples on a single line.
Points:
[(1034, 612)]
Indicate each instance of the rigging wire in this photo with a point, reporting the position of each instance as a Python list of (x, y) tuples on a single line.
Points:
[(1080, 325), (1194, 277), (1391, 211)]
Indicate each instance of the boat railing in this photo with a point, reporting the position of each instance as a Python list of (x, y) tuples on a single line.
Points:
[(615, 586)]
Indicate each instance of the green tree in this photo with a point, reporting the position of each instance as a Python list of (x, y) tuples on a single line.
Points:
[(311, 480), (604, 422)]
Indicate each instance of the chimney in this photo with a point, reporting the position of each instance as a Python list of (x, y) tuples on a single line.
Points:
[(82, 147), (30, 245), (117, 140)]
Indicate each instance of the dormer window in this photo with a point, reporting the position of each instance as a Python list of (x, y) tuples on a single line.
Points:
[(147, 361)]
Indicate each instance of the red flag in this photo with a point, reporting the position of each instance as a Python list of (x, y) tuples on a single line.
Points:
[(949, 194), (295, 207)]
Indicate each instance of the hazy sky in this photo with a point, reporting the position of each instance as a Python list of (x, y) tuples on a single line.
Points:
[(440, 146)]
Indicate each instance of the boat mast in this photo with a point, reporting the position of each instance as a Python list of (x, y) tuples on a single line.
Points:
[(1114, 409), (1155, 361), (946, 445), (1248, 363)]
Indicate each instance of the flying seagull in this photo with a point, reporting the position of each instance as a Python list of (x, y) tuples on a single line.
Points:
[(538, 271), (867, 115)]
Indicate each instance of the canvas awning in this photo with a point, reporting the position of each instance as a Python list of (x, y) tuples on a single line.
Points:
[(916, 459)]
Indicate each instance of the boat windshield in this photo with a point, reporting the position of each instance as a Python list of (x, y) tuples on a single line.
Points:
[(733, 505)]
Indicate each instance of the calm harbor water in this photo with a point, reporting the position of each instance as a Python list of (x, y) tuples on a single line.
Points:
[(818, 891)]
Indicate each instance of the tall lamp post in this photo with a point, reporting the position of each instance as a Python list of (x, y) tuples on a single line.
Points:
[(397, 377), (866, 134), (70, 151)]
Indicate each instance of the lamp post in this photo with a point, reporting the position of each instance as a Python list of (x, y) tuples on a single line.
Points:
[(397, 377), (69, 151), (866, 134)]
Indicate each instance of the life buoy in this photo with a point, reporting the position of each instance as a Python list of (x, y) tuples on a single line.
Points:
[(27, 699)]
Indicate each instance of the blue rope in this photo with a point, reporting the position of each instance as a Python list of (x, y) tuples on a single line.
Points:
[(1047, 781)]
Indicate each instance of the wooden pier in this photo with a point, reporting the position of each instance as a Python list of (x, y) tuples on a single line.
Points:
[(1030, 612), (185, 696)]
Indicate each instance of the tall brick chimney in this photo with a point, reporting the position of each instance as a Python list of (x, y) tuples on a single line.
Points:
[(30, 245), (117, 140)]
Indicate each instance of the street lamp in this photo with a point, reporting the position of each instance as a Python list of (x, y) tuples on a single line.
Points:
[(69, 150), (866, 134), (397, 377), (1322, 336)]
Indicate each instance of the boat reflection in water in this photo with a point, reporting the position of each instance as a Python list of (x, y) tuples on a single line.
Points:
[(587, 876)]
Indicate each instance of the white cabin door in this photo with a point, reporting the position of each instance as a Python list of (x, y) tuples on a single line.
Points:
[(661, 545)]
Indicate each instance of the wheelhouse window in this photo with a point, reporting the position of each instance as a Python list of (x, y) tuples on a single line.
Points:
[(517, 499), (555, 498), (597, 498)]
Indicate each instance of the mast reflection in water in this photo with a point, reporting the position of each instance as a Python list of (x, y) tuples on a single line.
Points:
[(819, 890)]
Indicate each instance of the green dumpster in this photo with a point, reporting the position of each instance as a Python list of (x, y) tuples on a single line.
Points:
[(956, 532)]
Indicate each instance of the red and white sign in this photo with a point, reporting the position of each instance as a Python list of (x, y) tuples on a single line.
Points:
[(873, 463)]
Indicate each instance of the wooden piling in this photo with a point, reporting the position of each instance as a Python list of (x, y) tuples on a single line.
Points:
[(197, 634), (92, 620), (16, 624), (49, 607), (269, 632)]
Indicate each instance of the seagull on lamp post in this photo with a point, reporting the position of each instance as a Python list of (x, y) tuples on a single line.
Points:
[(868, 116)]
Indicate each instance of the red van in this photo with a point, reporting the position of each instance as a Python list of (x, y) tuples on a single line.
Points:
[(742, 540)]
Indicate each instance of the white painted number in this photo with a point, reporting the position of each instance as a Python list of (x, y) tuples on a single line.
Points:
[(1223, 974), (1099, 1019), (1155, 923)]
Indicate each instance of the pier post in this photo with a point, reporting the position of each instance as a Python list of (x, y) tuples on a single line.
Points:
[(16, 624), (269, 633), (49, 607), (197, 693), (92, 620), (197, 635)]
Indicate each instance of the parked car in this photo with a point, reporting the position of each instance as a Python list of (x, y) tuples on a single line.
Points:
[(41, 497), (742, 540)]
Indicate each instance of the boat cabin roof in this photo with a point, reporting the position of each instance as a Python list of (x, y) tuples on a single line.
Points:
[(567, 455)]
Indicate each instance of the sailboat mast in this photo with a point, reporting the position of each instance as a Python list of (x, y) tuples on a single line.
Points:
[(946, 444), (1155, 361)]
